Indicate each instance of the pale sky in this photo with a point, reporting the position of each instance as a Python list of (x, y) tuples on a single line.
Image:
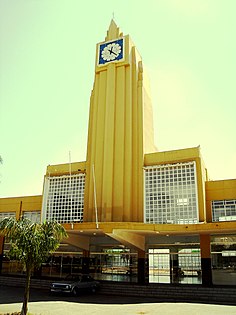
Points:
[(47, 61)]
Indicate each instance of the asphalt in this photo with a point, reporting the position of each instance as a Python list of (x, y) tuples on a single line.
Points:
[(42, 303)]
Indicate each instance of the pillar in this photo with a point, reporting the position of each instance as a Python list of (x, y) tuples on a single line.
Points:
[(205, 245), (143, 272), (1, 251), (174, 265), (85, 262)]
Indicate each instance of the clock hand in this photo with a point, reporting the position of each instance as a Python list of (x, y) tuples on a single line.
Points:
[(111, 51)]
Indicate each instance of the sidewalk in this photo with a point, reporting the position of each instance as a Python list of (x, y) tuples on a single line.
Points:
[(69, 308)]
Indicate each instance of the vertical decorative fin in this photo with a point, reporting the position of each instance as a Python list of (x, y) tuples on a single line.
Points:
[(140, 71)]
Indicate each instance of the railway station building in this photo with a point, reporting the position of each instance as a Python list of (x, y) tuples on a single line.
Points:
[(132, 213)]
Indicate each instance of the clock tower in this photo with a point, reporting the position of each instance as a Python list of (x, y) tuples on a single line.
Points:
[(120, 132)]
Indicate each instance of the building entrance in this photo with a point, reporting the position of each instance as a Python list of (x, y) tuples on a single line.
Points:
[(165, 265), (175, 266)]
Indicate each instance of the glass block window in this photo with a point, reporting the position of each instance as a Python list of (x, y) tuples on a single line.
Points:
[(63, 198), (34, 216), (171, 194), (223, 210), (7, 214)]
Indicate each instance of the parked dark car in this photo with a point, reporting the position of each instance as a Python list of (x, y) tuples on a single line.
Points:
[(75, 284)]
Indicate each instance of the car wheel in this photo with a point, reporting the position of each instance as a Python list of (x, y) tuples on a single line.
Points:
[(75, 291)]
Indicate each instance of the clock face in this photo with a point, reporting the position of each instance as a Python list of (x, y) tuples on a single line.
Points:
[(111, 51)]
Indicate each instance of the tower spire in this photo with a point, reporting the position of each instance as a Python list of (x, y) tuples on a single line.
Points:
[(113, 31)]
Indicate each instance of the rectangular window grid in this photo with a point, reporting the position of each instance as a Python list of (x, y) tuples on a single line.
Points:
[(34, 216), (64, 198), (7, 215), (223, 210), (170, 192)]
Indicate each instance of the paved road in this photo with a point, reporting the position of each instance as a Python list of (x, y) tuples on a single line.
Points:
[(15, 295), (42, 303)]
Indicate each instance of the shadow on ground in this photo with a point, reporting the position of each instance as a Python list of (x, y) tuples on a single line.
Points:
[(15, 295)]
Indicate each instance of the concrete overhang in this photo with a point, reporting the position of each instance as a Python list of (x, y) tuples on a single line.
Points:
[(92, 229), (135, 235)]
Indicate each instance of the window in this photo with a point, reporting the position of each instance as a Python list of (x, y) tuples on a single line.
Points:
[(7, 214), (63, 198), (182, 201), (223, 210), (171, 194), (34, 216)]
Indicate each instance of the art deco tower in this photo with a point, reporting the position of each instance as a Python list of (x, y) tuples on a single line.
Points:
[(120, 132)]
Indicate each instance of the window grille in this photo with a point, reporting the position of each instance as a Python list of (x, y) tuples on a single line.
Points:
[(171, 194), (63, 198)]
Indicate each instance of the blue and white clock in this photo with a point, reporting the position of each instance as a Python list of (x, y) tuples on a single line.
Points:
[(111, 51)]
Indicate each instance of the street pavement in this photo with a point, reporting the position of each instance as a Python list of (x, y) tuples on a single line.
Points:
[(42, 303), (71, 308)]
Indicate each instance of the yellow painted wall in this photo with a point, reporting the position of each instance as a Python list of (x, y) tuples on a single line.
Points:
[(173, 156), (21, 204), (116, 138), (63, 169), (219, 190)]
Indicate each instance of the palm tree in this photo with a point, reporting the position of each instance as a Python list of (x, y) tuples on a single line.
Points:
[(31, 243)]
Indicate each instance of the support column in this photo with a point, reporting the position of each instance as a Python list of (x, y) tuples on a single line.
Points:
[(143, 272), (174, 265), (1, 251), (85, 261), (205, 245)]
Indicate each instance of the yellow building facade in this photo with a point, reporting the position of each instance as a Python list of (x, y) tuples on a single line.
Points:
[(133, 213)]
